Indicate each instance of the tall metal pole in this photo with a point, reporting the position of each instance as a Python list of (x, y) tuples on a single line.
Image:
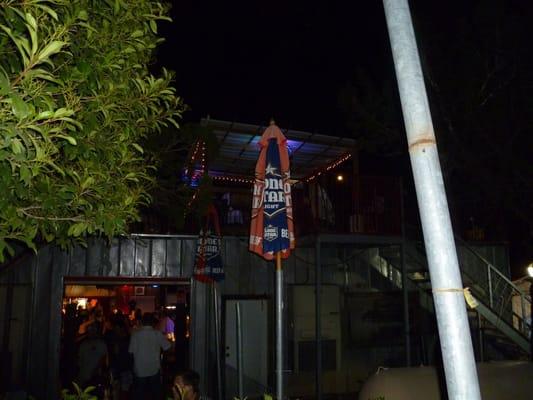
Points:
[(218, 348), (239, 350), (454, 331), (279, 327), (318, 321)]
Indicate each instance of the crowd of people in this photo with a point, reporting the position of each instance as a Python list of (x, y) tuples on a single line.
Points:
[(124, 356)]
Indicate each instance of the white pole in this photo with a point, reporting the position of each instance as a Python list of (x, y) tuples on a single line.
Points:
[(454, 332), (240, 367), (279, 327)]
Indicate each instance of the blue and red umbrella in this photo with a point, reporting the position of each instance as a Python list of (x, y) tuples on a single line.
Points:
[(208, 265), (271, 229)]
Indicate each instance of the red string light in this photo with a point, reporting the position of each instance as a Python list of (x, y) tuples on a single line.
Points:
[(331, 166)]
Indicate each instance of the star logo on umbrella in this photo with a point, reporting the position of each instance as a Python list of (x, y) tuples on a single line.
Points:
[(270, 170)]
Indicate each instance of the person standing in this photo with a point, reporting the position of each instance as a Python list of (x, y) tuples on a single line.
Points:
[(146, 345), (166, 325), (92, 358)]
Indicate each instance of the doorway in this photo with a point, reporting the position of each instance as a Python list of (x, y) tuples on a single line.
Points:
[(113, 308)]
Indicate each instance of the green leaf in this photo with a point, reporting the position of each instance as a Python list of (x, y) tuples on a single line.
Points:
[(4, 82), (87, 182), (50, 49), (44, 115), (70, 139), (153, 26), (19, 42), (138, 148), (48, 10), (32, 28), (18, 106), (83, 15), (16, 146), (25, 174), (77, 229), (63, 112)]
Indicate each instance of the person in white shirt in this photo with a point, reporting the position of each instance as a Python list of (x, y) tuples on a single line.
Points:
[(146, 345)]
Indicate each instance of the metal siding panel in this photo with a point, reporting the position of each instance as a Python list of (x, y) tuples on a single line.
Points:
[(159, 256), (96, 261), (231, 283), (187, 257), (113, 249), (127, 257), (77, 262), (173, 261), (40, 323), (142, 257), (22, 273), (59, 267)]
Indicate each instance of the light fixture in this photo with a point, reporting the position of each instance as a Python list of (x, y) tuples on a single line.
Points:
[(530, 270), (340, 178)]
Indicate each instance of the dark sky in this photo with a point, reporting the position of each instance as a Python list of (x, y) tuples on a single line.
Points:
[(247, 61)]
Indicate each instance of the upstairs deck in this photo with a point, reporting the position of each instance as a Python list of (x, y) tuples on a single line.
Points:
[(354, 205)]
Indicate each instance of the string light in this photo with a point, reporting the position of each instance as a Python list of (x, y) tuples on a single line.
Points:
[(235, 179), (331, 166)]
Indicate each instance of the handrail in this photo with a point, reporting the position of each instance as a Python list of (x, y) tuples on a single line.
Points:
[(488, 263), (492, 268)]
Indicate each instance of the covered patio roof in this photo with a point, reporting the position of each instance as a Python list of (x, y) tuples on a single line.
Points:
[(239, 149)]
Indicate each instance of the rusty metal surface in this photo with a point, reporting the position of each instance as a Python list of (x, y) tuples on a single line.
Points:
[(422, 142)]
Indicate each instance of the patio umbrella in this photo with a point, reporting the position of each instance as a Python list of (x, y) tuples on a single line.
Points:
[(208, 264), (271, 227)]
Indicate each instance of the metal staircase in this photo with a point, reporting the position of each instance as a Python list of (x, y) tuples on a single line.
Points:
[(492, 290)]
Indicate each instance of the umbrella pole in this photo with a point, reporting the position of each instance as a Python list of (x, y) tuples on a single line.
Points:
[(279, 327), (217, 340)]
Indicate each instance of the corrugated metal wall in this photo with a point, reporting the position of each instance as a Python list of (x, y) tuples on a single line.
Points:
[(42, 276), (137, 256)]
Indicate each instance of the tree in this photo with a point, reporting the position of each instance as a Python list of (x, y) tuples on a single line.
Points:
[(76, 99), (477, 66), (478, 69)]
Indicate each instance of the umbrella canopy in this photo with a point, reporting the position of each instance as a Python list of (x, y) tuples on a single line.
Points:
[(208, 265), (271, 229)]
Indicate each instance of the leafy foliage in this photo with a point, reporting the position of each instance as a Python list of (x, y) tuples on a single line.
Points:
[(477, 66), (76, 99), (479, 73), (79, 393)]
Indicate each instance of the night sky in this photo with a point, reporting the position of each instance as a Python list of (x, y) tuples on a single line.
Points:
[(250, 61)]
